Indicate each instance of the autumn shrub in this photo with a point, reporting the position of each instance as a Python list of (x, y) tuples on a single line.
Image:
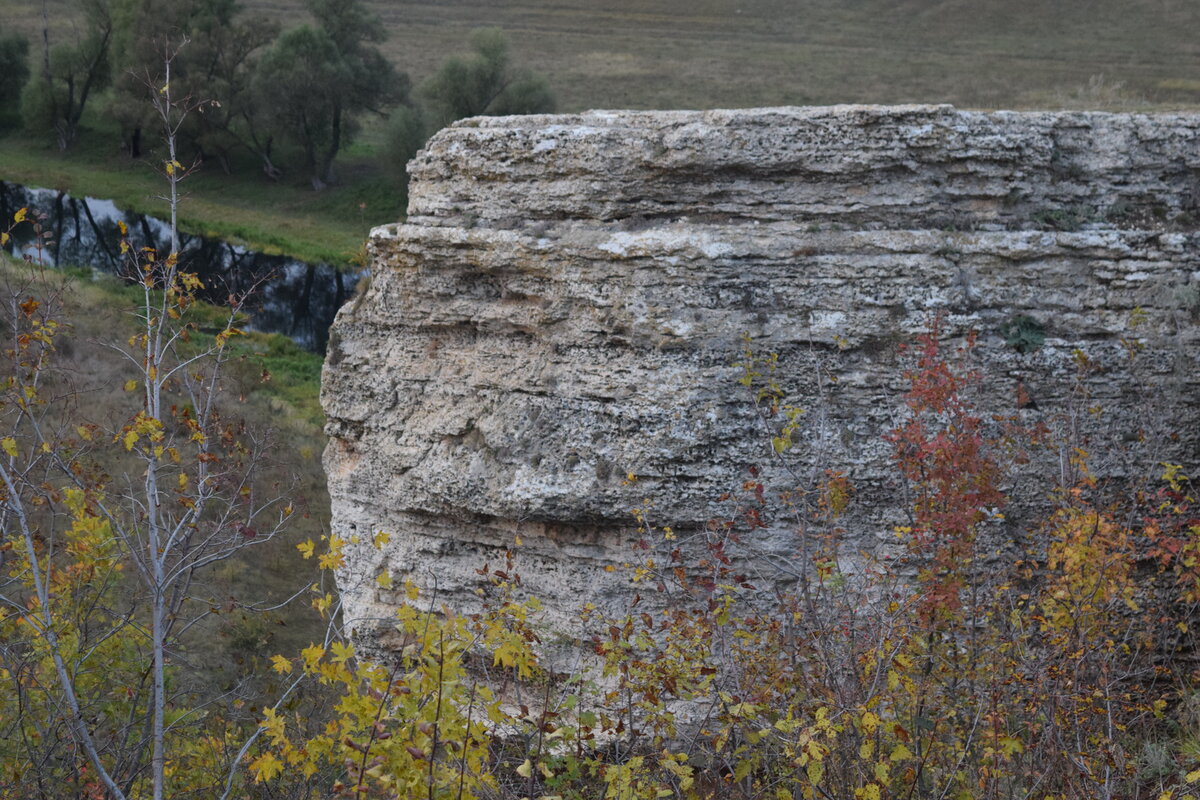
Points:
[(109, 526), (942, 672)]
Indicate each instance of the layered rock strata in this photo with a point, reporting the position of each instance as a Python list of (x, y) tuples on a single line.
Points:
[(569, 300)]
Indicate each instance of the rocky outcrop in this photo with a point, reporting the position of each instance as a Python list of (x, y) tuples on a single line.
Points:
[(567, 303)]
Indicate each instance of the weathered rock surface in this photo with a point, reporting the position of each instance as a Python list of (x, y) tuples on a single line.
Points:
[(567, 304)]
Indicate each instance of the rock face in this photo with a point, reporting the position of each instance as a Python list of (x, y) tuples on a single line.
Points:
[(568, 301)]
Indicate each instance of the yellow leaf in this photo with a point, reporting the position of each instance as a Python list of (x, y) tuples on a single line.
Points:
[(384, 580), (342, 652), (900, 753), (10, 446), (273, 726), (870, 792), (1010, 745), (323, 602), (266, 767), (1193, 776), (526, 769), (381, 539), (3, 239), (869, 723), (281, 665), (20, 215), (312, 655), (306, 548), (131, 438)]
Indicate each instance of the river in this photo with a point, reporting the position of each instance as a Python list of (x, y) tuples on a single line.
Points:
[(287, 296)]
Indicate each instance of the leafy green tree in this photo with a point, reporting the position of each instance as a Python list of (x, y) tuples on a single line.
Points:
[(71, 74), (14, 72), (406, 132), (485, 83), (315, 81), (214, 68)]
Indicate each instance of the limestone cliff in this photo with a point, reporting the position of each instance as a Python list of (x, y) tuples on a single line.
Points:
[(567, 302)]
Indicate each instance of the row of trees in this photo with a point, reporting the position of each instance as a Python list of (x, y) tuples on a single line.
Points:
[(291, 101)]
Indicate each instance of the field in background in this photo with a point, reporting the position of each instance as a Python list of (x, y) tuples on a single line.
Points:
[(1123, 55), (1112, 54)]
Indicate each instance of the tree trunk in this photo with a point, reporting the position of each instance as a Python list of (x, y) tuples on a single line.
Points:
[(335, 145)]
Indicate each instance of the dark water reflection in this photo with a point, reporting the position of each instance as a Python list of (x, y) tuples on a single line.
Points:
[(288, 296)]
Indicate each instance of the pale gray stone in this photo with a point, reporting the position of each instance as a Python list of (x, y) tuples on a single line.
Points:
[(567, 302)]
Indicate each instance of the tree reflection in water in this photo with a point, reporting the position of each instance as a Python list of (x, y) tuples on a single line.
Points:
[(291, 297)]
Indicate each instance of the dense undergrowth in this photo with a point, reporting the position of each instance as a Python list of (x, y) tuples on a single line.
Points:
[(1065, 670), (931, 669)]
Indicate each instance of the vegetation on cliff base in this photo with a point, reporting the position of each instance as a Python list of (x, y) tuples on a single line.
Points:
[(126, 607), (933, 668), (928, 669)]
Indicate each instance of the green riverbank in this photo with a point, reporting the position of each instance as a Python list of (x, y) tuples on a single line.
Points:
[(246, 208)]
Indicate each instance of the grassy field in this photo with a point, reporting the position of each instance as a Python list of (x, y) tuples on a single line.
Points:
[(715, 53), (1115, 54)]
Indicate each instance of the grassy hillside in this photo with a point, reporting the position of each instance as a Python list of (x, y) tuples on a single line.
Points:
[(1117, 54), (244, 207), (88, 377)]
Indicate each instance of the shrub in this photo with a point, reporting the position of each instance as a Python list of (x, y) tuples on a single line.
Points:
[(942, 673)]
